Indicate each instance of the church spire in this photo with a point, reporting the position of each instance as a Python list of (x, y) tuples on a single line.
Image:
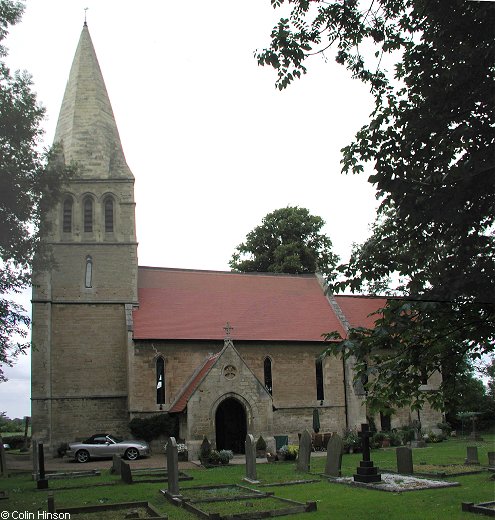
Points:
[(86, 125)]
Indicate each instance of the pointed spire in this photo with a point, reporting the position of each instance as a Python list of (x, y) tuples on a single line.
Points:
[(86, 125)]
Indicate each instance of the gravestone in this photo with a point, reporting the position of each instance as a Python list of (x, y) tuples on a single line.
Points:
[(35, 461), (472, 455), (172, 469), (3, 461), (116, 464), (404, 460), (250, 449), (51, 503), (491, 459), (474, 436), (125, 472), (366, 472), (334, 456), (418, 441), (42, 482), (304, 456)]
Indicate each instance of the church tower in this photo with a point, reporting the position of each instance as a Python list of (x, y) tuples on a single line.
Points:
[(82, 306)]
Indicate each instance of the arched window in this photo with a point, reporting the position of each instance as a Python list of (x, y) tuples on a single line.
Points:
[(88, 215), (267, 370), (88, 275), (320, 394), (108, 210), (67, 215), (160, 381)]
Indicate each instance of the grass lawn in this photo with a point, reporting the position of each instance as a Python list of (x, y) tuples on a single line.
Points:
[(335, 502)]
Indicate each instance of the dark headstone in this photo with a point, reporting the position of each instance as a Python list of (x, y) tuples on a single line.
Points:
[(304, 455), (472, 455), (250, 449), (366, 472), (36, 474), (51, 502), (125, 472), (334, 456), (491, 459), (404, 460), (3, 461), (42, 482)]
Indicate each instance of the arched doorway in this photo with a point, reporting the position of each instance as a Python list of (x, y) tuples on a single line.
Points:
[(231, 426)]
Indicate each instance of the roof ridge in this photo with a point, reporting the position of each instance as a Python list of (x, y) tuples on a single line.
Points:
[(213, 271)]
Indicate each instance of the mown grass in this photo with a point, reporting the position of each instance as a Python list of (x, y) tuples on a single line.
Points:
[(336, 502)]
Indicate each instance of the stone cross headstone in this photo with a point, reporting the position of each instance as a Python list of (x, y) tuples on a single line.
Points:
[(491, 459), (366, 472), (304, 456), (474, 436), (334, 456), (125, 472), (42, 482), (404, 460), (116, 464), (250, 450), (472, 455), (172, 468)]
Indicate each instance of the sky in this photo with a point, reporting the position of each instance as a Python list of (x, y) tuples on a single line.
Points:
[(213, 145)]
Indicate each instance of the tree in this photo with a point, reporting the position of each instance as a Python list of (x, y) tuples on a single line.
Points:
[(287, 241), (430, 140), (29, 185)]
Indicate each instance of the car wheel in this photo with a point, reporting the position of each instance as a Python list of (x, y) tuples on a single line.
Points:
[(131, 453), (82, 456)]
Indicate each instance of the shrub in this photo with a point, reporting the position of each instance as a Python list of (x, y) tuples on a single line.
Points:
[(204, 451), (149, 428), (445, 427), (62, 449), (292, 451), (350, 440), (377, 439), (225, 456), (260, 444), (16, 442), (407, 434)]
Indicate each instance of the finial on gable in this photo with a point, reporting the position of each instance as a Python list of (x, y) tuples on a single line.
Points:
[(85, 13)]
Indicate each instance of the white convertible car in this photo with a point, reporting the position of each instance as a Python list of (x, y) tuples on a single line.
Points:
[(104, 445)]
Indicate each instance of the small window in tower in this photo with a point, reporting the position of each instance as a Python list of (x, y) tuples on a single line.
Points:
[(67, 216), (88, 275), (160, 381), (267, 368), (320, 394), (88, 215), (108, 215)]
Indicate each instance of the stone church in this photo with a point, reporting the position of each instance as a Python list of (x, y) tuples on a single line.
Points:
[(229, 353)]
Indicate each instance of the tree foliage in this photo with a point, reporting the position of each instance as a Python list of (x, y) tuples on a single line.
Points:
[(29, 185), (430, 140), (289, 240)]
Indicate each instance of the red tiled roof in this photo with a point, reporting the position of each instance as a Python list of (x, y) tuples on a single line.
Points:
[(357, 309), (189, 304), (181, 400)]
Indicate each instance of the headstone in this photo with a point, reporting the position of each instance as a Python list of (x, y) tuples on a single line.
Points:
[(172, 468), (304, 456), (116, 464), (474, 436), (404, 460), (366, 472), (491, 459), (3, 461), (26, 429), (250, 449), (334, 456), (36, 474), (42, 482), (472, 455), (418, 441), (51, 503), (125, 472)]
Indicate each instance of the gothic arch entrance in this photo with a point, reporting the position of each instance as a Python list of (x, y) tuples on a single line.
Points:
[(231, 425)]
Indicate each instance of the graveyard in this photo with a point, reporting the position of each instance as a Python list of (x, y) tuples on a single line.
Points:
[(318, 485)]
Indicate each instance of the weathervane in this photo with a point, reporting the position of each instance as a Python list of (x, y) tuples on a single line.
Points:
[(85, 13)]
